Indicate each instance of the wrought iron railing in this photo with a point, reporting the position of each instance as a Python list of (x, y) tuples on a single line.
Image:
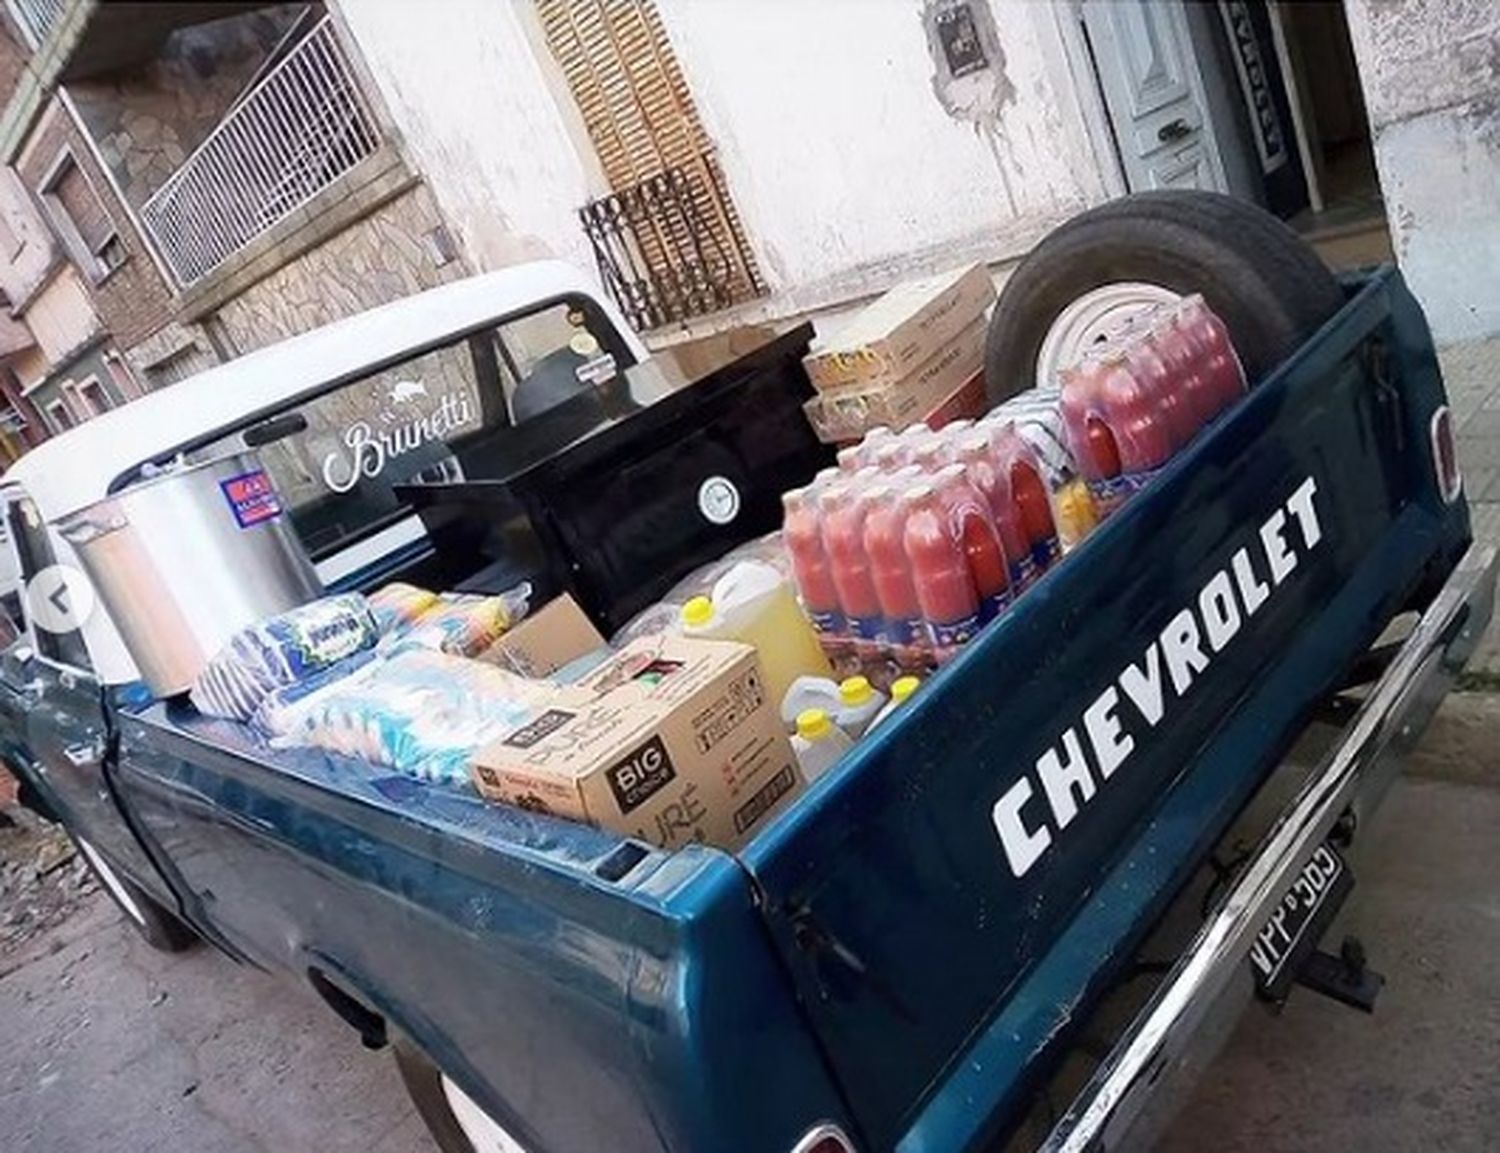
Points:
[(667, 249), (39, 17), (298, 130)]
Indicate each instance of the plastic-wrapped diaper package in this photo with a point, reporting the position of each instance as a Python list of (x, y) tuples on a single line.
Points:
[(462, 625), (397, 606), (282, 650), (417, 711)]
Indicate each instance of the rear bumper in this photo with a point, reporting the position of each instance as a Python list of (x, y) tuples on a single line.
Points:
[(1134, 1090)]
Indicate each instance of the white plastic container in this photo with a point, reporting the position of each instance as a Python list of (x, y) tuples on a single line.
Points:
[(859, 702), (818, 743), (901, 691), (754, 604), (808, 693)]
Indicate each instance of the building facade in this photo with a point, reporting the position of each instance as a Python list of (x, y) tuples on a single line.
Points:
[(183, 183), (796, 158), (186, 183)]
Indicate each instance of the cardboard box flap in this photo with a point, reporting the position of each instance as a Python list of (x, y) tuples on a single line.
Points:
[(902, 329)]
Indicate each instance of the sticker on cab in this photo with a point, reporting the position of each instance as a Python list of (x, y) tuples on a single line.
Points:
[(252, 498)]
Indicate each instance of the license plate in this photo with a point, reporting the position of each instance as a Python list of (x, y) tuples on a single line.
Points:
[(1294, 927)]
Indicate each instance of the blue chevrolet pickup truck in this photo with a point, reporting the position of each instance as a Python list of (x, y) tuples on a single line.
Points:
[(903, 958)]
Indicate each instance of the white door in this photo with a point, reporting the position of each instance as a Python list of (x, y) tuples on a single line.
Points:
[(1153, 92)]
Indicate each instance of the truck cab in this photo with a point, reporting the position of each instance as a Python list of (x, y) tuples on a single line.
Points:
[(340, 417)]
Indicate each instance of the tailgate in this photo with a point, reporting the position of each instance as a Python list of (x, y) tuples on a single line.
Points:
[(918, 883)]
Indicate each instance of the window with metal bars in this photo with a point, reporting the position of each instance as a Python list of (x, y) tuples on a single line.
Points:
[(669, 242)]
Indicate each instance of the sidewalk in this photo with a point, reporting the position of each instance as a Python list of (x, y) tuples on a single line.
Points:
[(1472, 373)]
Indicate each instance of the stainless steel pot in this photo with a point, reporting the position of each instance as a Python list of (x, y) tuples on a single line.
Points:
[(187, 558)]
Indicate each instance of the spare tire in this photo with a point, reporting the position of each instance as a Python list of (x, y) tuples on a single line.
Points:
[(1268, 285)]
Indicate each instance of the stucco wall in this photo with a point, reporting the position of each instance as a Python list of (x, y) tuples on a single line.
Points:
[(466, 91), (1431, 75), (845, 164), (31, 251), (374, 261), (839, 154), (61, 317)]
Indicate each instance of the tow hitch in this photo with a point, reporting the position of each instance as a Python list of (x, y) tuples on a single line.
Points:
[(1286, 951), (1346, 978)]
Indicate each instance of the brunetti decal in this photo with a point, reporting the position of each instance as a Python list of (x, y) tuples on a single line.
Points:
[(409, 420), (1043, 802)]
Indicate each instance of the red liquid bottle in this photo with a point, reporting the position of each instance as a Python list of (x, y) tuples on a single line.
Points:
[(1153, 374), (802, 535), (1090, 440), (974, 528), (977, 453), (1021, 474), (891, 572), (931, 453), (939, 571), (1186, 367), (1134, 417), (1221, 367), (842, 511)]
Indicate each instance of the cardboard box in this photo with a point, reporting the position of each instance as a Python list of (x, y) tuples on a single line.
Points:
[(967, 402), (904, 329), (849, 413), (678, 742), (553, 636)]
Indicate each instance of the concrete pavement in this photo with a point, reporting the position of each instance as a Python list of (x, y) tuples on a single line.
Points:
[(110, 1045)]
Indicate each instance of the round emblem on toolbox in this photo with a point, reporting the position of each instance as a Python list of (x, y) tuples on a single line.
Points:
[(718, 500)]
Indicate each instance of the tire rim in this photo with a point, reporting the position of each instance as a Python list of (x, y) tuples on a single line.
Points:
[(112, 882), (478, 1126), (1094, 317)]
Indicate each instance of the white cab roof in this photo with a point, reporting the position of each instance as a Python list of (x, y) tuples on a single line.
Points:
[(75, 469)]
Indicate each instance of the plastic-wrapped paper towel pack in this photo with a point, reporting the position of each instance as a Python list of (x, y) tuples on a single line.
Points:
[(282, 650), (417, 711)]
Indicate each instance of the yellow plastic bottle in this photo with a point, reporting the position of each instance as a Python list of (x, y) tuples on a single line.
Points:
[(754, 604), (901, 691), (859, 702)]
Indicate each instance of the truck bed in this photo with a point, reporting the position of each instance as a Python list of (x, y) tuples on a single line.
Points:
[(921, 932), (890, 890)]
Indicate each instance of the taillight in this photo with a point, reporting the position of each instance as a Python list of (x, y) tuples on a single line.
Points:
[(1445, 455), (824, 1138)]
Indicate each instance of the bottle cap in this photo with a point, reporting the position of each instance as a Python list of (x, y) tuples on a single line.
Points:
[(903, 687), (974, 442), (697, 612), (855, 690), (814, 724)]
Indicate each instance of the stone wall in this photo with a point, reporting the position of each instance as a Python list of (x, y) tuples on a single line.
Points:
[(1431, 76), (376, 260), (148, 119), (171, 354)]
